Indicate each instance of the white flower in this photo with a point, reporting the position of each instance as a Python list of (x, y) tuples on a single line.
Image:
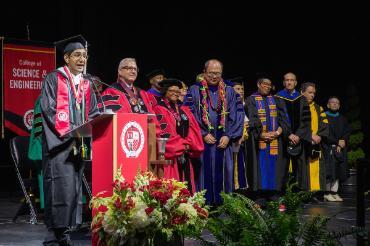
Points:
[(188, 209), (156, 217), (139, 204), (108, 224), (140, 219)]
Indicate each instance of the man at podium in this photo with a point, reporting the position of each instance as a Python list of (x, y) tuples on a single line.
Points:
[(123, 96), (67, 101)]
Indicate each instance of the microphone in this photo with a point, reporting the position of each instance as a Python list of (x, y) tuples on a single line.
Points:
[(92, 79)]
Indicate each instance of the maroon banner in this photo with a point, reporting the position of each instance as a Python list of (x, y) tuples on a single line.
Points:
[(24, 68)]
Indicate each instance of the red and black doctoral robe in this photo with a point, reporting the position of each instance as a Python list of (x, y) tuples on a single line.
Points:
[(180, 133), (116, 99)]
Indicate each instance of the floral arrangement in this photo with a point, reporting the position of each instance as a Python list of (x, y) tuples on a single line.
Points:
[(221, 104), (147, 207)]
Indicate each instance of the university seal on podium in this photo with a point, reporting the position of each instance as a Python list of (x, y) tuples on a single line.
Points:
[(132, 139)]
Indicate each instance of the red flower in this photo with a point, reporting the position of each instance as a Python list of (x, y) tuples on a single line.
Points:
[(177, 219), (170, 187), (118, 203), (97, 225), (155, 184), (132, 187), (124, 185), (161, 196), (129, 204), (102, 209), (184, 192), (149, 210), (200, 211), (116, 184), (282, 207), (182, 200)]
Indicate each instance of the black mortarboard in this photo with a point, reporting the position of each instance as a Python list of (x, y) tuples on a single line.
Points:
[(68, 45), (166, 83), (154, 73), (237, 81)]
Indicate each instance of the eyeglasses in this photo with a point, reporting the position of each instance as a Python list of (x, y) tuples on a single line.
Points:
[(267, 84), (79, 55), (214, 74), (173, 91), (135, 69)]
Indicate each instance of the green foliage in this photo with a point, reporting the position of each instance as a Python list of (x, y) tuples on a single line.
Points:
[(354, 155), (243, 222), (356, 139), (356, 125), (353, 112)]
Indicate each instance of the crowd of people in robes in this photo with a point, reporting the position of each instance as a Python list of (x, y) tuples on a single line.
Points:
[(218, 139)]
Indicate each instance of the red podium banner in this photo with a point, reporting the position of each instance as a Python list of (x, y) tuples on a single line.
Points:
[(120, 141), (132, 154)]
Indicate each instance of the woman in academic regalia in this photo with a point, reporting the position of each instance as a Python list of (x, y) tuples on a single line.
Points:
[(178, 124)]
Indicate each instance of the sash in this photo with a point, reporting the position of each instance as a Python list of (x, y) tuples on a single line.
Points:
[(62, 116), (263, 118)]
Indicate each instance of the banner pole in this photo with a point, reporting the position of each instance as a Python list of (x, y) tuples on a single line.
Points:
[(85, 68), (2, 88)]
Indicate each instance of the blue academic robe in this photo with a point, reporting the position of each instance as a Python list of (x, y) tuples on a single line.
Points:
[(216, 173), (154, 92)]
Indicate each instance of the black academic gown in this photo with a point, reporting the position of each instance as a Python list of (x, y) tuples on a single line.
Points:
[(303, 175), (62, 169), (336, 163), (298, 123), (255, 130)]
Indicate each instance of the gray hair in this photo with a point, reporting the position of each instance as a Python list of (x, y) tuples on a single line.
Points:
[(212, 60), (295, 76), (305, 85), (333, 97), (124, 61)]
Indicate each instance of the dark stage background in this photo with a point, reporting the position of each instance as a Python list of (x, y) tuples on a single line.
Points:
[(327, 46)]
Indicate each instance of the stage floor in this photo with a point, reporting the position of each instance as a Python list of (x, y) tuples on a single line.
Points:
[(23, 233)]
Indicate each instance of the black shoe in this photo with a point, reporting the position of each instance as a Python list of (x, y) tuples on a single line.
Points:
[(315, 200), (50, 239), (48, 242), (66, 242), (64, 236)]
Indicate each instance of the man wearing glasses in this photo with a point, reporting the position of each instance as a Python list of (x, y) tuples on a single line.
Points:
[(220, 116), (123, 96), (67, 101)]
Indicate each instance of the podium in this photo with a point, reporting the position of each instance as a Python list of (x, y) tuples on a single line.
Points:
[(119, 140), (122, 140)]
